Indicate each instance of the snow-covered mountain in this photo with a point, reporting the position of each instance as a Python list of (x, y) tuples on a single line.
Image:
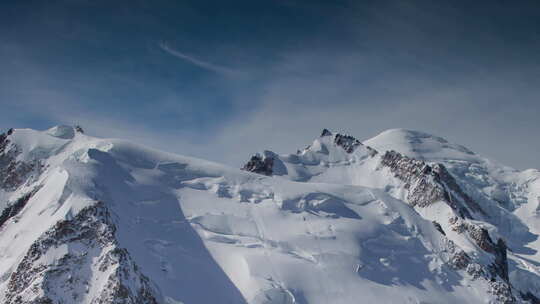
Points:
[(404, 217)]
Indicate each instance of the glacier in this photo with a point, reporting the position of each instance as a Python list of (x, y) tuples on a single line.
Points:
[(403, 217)]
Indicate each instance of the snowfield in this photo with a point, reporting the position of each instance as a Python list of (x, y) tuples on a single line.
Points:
[(91, 220)]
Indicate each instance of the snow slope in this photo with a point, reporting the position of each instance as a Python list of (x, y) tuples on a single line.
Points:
[(517, 192), (89, 220)]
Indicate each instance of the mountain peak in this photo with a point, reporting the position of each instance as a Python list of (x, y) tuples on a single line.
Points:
[(347, 142), (136, 220), (420, 145), (326, 132), (62, 131)]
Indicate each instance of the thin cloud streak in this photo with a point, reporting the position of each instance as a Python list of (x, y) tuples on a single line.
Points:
[(200, 63)]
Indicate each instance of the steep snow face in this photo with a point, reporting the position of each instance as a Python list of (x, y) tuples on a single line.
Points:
[(509, 187), (488, 182), (445, 182), (58, 223), (108, 221)]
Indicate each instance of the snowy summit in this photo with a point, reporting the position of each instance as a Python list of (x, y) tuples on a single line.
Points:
[(404, 217)]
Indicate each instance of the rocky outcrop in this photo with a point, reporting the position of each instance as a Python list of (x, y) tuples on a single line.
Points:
[(453, 189), (481, 237), (500, 266), (259, 164), (438, 227), (495, 275), (13, 173), (326, 132), (347, 142), (459, 259), (13, 209), (502, 291), (427, 184), (64, 262)]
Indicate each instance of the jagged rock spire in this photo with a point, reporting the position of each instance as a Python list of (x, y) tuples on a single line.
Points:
[(347, 142), (260, 164), (326, 132)]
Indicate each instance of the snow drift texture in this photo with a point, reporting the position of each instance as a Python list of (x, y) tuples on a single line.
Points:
[(405, 217)]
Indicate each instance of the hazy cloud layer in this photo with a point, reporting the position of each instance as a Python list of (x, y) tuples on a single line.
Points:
[(275, 74)]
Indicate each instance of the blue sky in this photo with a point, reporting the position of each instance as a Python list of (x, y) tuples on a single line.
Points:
[(224, 79)]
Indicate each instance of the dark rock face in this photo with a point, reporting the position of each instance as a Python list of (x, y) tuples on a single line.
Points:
[(457, 259), (500, 266), (38, 280), (259, 164), (530, 297), (439, 227), (3, 142), (453, 189), (429, 184), (498, 286), (481, 237), (502, 291), (460, 260), (326, 132), (13, 173), (483, 240), (478, 234), (496, 273), (13, 209), (347, 142)]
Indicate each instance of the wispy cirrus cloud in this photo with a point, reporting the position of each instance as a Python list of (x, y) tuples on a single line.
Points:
[(219, 69), (360, 69)]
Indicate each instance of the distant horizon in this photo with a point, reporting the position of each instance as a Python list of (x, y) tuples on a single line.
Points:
[(307, 143)]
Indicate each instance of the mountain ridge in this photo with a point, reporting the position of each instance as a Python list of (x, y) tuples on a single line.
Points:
[(339, 220)]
